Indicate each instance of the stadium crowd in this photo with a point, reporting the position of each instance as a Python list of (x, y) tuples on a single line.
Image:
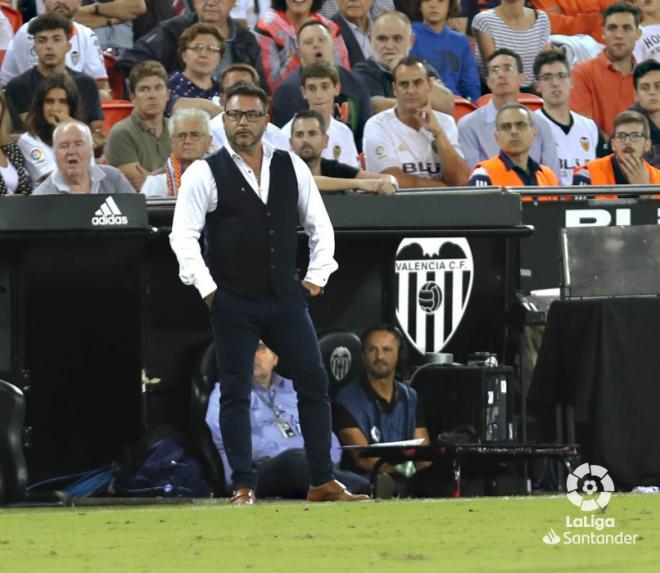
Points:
[(376, 95), (409, 89)]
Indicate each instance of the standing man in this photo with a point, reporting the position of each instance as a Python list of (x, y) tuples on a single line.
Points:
[(575, 136), (603, 86), (630, 143), (476, 130), (515, 133), (411, 141), (248, 199)]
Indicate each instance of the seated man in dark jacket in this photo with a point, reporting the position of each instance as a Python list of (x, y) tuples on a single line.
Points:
[(161, 43)]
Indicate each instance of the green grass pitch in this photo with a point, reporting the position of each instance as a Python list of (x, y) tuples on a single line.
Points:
[(487, 534)]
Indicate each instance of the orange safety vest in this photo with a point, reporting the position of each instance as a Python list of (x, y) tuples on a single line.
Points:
[(500, 175), (602, 171)]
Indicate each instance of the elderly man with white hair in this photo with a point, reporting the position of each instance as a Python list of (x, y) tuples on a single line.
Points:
[(190, 138), (73, 174)]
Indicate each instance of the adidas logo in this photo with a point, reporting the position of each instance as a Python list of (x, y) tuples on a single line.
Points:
[(109, 214)]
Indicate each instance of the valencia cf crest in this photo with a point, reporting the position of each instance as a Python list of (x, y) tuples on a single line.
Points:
[(434, 283), (584, 142), (340, 362)]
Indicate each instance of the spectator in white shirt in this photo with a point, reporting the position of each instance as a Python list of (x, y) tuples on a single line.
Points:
[(411, 141), (320, 86)]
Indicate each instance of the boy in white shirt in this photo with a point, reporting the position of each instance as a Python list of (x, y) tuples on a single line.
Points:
[(320, 85)]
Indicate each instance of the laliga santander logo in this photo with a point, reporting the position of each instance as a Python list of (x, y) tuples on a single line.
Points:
[(585, 479)]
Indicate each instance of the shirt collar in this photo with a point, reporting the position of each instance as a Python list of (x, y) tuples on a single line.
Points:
[(267, 147), (510, 165), (490, 113), (605, 61), (276, 383), (354, 27), (96, 175), (371, 393), (135, 116)]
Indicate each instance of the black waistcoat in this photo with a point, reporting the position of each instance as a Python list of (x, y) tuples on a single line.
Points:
[(251, 246)]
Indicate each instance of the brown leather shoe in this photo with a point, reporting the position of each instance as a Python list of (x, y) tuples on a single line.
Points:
[(334, 491), (243, 496)]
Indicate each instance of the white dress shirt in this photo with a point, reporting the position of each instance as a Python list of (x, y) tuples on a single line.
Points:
[(198, 195)]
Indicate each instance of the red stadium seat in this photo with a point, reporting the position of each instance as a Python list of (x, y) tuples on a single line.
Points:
[(14, 16), (114, 110), (462, 107), (115, 77)]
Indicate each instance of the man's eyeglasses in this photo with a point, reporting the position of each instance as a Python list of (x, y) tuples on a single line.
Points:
[(252, 115), (199, 48), (192, 135), (508, 126), (504, 68), (550, 77), (633, 136)]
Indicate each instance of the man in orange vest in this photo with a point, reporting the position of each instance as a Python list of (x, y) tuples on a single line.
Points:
[(513, 167), (630, 141)]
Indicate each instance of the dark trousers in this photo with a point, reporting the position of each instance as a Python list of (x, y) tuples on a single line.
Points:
[(287, 475), (286, 328)]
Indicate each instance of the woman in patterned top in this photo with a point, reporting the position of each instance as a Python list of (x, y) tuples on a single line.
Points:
[(14, 178), (514, 26), (201, 48)]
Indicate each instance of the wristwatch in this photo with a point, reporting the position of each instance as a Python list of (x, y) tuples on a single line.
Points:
[(96, 9)]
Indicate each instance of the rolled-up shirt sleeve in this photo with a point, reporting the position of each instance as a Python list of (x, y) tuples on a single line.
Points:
[(198, 196), (314, 219)]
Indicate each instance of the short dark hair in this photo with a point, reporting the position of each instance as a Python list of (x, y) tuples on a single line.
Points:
[(319, 69), (644, 68), (622, 9), (244, 89), (387, 327), (243, 68), (506, 52), (312, 22), (310, 114), (411, 61), (549, 57), (190, 33), (146, 69), (630, 116), (454, 10), (50, 21), (280, 5)]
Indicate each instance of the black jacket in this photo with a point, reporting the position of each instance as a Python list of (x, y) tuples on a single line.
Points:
[(161, 45), (355, 55)]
